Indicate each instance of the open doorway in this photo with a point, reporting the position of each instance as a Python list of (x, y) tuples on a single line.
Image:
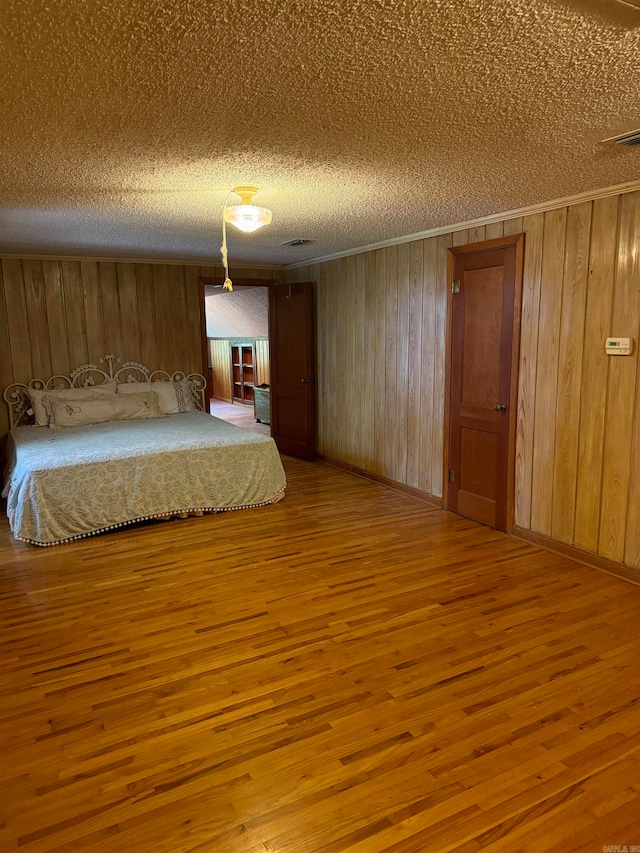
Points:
[(290, 349), (237, 353)]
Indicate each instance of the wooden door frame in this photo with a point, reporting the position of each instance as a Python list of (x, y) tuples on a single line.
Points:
[(517, 241), (218, 279)]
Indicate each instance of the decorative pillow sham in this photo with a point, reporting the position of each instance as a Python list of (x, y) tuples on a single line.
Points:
[(89, 392), (71, 412), (175, 397)]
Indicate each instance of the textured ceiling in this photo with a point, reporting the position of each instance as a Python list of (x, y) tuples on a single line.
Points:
[(124, 122)]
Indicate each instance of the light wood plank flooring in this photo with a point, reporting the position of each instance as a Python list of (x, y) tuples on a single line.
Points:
[(348, 671), (239, 415)]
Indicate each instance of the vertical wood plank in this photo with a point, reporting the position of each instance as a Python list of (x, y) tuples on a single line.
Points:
[(6, 361), (555, 222), (534, 226), (477, 234), (460, 238), (214, 271), (336, 342), (221, 369), (330, 399), (513, 226), (389, 284), (414, 385), (19, 339), (37, 318), (321, 365), (574, 295), (602, 260), (129, 319), (74, 313), (177, 303), (263, 372), (632, 535), (312, 274), (428, 362), (183, 327), (111, 309), (92, 294), (194, 344), (342, 306), (443, 244), (371, 344), (360, 374), (188, 329), (402, 361), (56, 318), (165, 328), (147, 316), (621, 385), (379, 376), (494, 229), (247, 272), (350, 434)]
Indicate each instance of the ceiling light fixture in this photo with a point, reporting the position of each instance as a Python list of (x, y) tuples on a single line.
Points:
[(247, 216)]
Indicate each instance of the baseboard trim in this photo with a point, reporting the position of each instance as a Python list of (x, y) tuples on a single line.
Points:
[(431, 500), (611, 567), (572, 552)]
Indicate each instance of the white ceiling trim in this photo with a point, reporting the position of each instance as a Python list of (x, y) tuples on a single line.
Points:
[(186, 262), (542, 207)]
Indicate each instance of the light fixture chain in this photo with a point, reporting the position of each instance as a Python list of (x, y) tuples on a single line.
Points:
[(228, 284)]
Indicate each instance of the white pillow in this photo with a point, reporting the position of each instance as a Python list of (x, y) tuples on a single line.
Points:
[(72, 412), (88, 392), (175, 397)]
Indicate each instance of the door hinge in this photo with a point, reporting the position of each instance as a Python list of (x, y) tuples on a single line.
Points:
[(451, 476), (455, 287)]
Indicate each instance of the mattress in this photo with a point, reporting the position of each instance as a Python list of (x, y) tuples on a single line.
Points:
[(69, 483)]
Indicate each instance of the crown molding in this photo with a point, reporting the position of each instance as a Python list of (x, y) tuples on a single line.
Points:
[(541, 207), (167, 261), (503, 216)]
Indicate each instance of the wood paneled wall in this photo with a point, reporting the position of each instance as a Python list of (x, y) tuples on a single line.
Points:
[(221, 369), (263, 372), (381, 319), (58, 314)]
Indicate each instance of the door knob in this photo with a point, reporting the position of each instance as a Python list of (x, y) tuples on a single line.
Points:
[(306, 381), (500, 407)]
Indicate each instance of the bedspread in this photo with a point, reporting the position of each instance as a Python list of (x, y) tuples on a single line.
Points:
[(71, 483)]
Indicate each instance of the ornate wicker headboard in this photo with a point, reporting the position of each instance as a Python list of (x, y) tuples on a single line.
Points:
[(108, 369)]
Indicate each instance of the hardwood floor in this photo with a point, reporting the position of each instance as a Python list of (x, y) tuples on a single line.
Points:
[(348, 671), (239, 415)]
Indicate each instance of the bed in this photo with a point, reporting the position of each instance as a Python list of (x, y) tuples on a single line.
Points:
[(65, 481)]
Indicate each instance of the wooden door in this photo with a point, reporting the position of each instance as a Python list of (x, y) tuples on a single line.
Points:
[(292, 360), (484, 336)]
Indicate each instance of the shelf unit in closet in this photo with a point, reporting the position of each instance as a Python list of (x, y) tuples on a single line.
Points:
[(243, 372)]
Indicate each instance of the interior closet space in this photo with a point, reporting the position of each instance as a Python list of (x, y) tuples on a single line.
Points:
[(239, 369), (242, 373)]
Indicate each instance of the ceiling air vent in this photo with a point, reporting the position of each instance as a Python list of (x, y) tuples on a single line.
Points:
[(298, 241), (629, 140)]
